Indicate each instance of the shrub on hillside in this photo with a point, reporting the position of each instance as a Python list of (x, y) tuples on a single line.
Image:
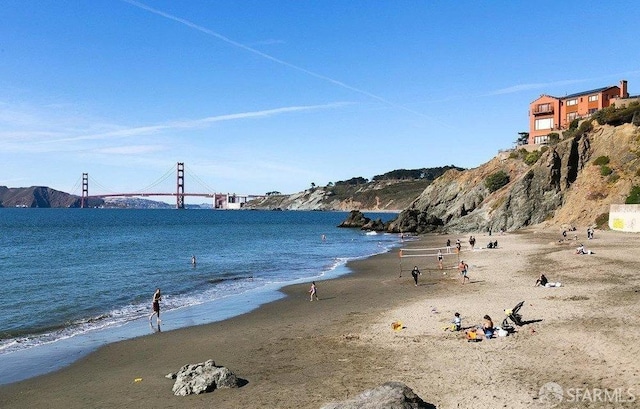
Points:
[(618, 116), (601, 160), (605, 170), (532, 157), (574, 124), (553, 138), (496, 181), (634, 196), (581, 130)]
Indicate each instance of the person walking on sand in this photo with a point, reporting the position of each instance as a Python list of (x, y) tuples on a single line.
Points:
[(415, 273), (155, 302), (440, 259), (313, 291), (463, 267)]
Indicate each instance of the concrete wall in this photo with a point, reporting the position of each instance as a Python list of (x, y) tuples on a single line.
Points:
[(624, 217)]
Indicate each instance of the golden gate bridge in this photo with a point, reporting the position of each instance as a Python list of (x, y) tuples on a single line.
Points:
[(220, 200)]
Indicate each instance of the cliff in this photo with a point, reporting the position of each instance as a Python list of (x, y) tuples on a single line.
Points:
[(571, 184)]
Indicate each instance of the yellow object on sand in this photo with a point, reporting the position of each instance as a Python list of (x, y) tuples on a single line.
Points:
[(396, 326), (471, 335), (137, 380)]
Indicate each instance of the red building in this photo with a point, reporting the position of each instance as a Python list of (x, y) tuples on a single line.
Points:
[(549, 114)]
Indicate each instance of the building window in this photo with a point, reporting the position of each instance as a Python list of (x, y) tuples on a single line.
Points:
[(543, 123), (541, 139), (571, 116), (593, 98), (592, 110), (572, 102)]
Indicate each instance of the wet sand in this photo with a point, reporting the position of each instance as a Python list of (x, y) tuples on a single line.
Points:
[(300, 354)]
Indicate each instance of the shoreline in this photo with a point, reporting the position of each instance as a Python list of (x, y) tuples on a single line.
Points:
[(342, 345)]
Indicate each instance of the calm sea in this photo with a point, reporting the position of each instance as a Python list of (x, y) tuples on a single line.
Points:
[(72, 280)]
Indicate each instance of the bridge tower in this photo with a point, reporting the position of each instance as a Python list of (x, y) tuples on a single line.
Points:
[(180, 187), (84, 199)]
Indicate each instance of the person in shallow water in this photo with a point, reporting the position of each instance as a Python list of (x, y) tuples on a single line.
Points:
[(155, 302)]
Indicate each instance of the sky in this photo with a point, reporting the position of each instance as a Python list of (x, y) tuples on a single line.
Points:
[(255, 96)]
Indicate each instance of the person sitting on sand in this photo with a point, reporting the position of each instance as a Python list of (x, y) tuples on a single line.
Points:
[(487, 327), (541, 281), (580, 249)]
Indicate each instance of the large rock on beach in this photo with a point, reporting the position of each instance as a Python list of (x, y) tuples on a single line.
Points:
[(356, 219), (202, 377), (391, 395)]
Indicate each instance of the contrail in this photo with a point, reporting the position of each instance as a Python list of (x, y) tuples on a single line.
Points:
[(269, 57), (191, 124)]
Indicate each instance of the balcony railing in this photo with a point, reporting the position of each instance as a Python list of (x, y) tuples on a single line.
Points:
[(543, 110)]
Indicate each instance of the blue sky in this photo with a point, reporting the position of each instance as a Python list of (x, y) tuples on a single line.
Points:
[(261, 95)]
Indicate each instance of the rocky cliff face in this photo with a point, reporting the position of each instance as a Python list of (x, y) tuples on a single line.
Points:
[(562, 187)]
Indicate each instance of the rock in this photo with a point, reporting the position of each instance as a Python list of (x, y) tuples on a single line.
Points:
[(392, 395), (202, 377), (355, 219)]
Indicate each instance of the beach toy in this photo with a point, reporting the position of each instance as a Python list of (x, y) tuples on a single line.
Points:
[(396, 326), (137, 380)]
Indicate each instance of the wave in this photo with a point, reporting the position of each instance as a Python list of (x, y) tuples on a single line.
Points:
[(215, 288)]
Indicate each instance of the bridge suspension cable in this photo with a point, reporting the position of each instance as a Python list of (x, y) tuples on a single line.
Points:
[(101, 186), (199, 180), (169, 173), (75, 189)]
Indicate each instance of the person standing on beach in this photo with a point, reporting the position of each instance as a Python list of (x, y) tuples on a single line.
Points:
[(440, 259), (155, 302), (448, 246), (415, 273), (313, 291)]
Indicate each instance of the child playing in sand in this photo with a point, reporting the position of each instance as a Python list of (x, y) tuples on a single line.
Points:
[(457, 322)]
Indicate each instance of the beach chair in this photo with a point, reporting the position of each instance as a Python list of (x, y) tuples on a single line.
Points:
[(514, 316)]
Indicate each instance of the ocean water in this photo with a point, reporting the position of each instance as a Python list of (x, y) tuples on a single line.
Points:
[(72, 280)]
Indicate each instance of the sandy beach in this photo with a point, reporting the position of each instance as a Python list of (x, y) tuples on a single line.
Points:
[(299, 354)]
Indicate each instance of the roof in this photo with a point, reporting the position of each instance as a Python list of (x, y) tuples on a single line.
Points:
[(593, 91)]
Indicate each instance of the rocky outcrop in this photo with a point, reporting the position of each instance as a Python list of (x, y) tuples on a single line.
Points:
[(203, 377), (356, 219), (394, 395), (562, 186)]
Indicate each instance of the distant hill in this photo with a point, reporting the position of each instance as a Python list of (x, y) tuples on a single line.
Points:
[(392, 191), (44, 197), (40, 196)]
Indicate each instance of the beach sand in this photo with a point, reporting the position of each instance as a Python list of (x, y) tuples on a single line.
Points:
[(300, 354)]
